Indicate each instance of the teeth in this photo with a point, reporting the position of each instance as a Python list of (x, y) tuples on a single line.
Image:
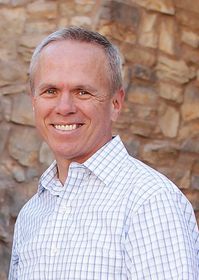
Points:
[(66, 127)]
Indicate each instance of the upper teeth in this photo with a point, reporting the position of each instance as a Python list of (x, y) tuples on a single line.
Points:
[(66, 127)]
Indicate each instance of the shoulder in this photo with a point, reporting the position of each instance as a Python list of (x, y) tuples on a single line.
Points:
[(27, 208), (143, 183)]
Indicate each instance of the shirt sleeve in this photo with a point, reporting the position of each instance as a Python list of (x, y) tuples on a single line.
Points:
[(162, 240)]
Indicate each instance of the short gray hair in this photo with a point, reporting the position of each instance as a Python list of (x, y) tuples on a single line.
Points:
[(83, 35)]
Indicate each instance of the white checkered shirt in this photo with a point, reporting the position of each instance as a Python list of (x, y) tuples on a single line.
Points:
[(114, 219)]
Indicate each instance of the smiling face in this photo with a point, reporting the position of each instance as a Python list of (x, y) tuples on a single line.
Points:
[(73, 106)]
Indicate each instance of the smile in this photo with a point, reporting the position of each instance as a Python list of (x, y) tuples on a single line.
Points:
[(67, 127)]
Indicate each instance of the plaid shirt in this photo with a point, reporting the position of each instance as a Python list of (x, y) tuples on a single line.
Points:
[(115, 218)]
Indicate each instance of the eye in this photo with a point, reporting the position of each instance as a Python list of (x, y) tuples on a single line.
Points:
[(50, 91), (83, 92)]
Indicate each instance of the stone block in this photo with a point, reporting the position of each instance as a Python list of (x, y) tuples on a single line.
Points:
[(81, 21), (190, 38), (143, 72), (27, 44), (174, 70), (84, 6), (116, 31), (12, 71), (167, 38), (39, 27), (138, 55), (170, 92), (6, 105), (180, 173), (125, 14), (18, 173), (187, 19), (165, 7), (191, 129), (159, 153), (12, 18), (195, 182), (196, 167), (13, 89), (169, 122), (148, 36), (142, 95), (187, 5), (19, 2), (4, 128), (191, 145), (24, 145), (67, 9), (42, 9), (142, 128), (22, 112), (190, 55), (190, 107)]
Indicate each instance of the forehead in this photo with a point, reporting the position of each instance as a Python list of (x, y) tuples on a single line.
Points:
[(73, 49), (74, 60)]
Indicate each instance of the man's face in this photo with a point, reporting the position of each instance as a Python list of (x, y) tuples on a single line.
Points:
[(72, 102)]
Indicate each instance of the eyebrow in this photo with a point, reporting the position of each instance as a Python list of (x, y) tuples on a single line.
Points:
[(86, 87), (45, 86), (80, 86)]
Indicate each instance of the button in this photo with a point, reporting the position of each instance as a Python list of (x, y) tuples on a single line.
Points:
[(66, 209), (54, 251)]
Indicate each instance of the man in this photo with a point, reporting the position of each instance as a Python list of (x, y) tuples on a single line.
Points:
[(98, 212)]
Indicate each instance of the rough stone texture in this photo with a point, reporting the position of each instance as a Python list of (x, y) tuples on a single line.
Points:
[(190, 108), (22, 109), (171, 92), (166, 6), (24, 145), (169, 122), (174, 70), (167, 39), (190, 38), (159, 123), (148, 36)]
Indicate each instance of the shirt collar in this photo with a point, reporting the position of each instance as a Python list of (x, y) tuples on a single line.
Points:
[(108, 160), (105, 164), (47, 177)]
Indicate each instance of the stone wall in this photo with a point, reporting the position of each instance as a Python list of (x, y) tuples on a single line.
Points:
[(159, 123)]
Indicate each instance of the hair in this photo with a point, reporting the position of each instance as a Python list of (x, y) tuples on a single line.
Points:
[(83, 35)]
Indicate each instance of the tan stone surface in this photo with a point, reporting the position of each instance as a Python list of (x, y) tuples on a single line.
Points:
[(138, 55), (170, 92), (174, 70), (187, 5), (169, 122), (148, 36), (22, 112), (167, 35), (190, 38), (190, 108), (166, 6)]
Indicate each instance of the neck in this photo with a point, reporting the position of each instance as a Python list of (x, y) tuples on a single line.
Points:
[(62, 170)]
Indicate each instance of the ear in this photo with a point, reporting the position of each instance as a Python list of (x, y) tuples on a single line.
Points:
[(117, 102)]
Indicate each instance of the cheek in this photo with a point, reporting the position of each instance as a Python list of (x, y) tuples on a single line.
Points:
[(42, 108)]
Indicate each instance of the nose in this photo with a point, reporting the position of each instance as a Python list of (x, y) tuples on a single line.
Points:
[(65, 104)]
